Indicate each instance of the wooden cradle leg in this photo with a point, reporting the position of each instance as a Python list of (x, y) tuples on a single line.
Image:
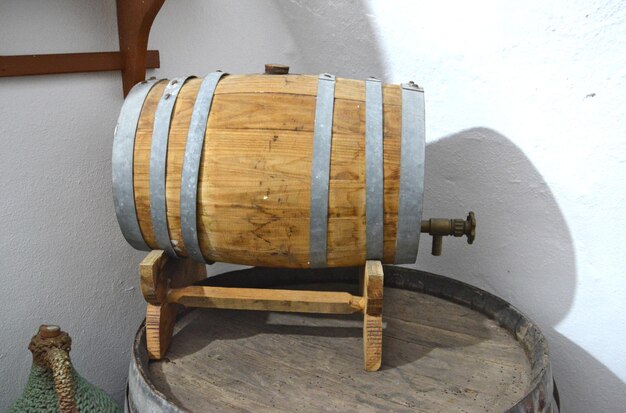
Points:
[(372, 282), (160, 320), (158, 273)]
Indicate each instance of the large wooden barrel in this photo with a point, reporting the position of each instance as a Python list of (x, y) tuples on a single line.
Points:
[(447, 347), (272, 170)]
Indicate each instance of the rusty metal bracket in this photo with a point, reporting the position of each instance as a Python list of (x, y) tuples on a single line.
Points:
[(134, 21)]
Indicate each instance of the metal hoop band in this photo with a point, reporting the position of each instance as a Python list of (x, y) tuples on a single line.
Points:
[(191, 165), (122, 164), (411, 174), (320, 170), (374, 202), (158, 164)]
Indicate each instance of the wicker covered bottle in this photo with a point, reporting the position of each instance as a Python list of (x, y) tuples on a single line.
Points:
[(53, 384)]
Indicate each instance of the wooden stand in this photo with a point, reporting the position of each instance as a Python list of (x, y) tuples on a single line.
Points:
[(166, 283)]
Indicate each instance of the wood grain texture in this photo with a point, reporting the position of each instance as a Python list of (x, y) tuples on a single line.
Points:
[(255, 173), (300, 301), (141, 162), (152, 280), (158, 272), (160, 320), (439, 357), (372, 315)]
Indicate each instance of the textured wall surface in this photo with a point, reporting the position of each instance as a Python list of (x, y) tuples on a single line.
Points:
[(63, 259), (525, 126)]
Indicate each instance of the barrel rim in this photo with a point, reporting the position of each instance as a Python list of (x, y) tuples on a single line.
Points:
[(138, 364), (540, 394)]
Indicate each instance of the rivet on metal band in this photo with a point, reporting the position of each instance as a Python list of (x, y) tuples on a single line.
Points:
[(191, 165), (158, 163), (411, 174), (374, 168), (122, 164), (320, 170)]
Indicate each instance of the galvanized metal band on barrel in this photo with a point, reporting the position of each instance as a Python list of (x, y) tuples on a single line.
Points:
[(122, 164), (158, 163), (320, 170), (374, 168), (191, 165), (411, 174)]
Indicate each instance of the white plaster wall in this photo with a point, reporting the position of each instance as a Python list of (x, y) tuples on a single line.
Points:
[(62, 257), (525, 126)]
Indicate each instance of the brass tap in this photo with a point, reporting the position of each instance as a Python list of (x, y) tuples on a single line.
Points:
[(440, 227)]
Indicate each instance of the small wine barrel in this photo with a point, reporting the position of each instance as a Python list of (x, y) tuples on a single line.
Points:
[(447, 346), (282, 170)]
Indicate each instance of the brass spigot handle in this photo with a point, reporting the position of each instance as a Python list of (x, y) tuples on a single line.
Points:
[(470, 225), (440, 227)]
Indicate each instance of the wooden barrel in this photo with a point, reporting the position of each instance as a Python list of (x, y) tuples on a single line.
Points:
[(272, 170), (447, 347)]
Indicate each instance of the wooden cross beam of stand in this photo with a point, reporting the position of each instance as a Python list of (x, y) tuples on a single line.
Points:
[(166, 284)]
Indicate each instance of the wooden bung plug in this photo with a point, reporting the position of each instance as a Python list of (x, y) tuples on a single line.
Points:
[(276, 69)]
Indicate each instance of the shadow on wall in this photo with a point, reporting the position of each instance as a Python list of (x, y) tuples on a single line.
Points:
[(332, 37), (523, 251)]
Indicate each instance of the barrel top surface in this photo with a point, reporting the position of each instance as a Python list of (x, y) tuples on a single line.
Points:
[(437, 356)]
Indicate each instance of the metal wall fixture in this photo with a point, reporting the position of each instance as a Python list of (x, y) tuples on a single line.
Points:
[(134, 20)]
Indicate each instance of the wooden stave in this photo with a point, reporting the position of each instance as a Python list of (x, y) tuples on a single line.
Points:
[(347, 196), (542, 396)]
